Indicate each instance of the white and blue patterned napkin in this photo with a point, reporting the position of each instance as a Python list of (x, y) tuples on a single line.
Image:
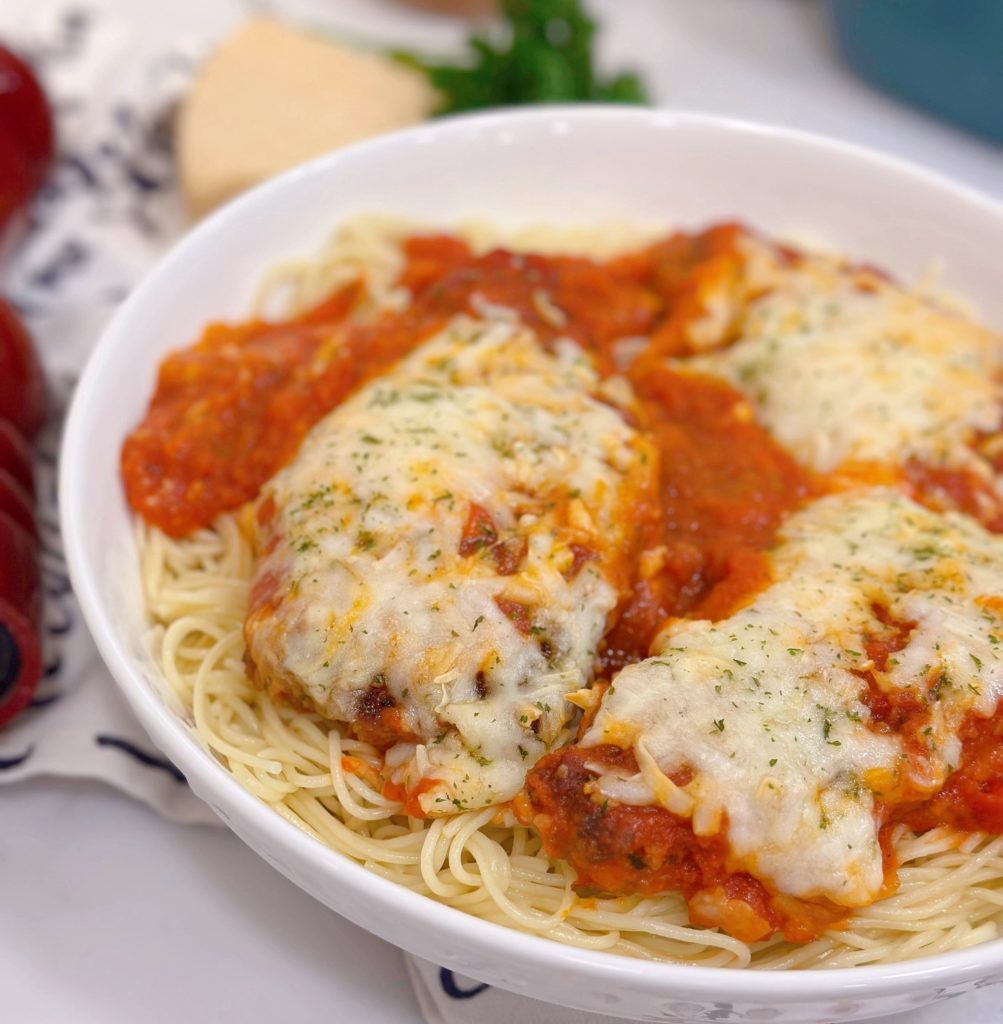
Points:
[(446, 997)]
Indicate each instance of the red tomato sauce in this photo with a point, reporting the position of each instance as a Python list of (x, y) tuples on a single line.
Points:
[(229, 411), (972, 798), (962, 490), (725, 486), (618, 848)]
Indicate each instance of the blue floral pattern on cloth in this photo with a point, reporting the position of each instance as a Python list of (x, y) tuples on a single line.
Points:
[(452, 988)]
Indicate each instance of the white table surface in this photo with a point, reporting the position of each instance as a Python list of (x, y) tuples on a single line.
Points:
[(107, 913)]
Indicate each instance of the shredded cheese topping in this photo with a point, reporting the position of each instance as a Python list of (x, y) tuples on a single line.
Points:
[(372, 592), (845, 368)]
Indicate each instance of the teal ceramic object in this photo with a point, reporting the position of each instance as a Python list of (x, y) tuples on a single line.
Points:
[(945, 56)]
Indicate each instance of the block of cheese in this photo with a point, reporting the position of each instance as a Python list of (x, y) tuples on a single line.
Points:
[(271, 97)]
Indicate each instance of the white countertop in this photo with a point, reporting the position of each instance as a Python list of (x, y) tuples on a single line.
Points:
[(107, 913)]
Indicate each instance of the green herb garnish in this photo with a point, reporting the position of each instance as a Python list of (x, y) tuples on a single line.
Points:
[(543, 53)]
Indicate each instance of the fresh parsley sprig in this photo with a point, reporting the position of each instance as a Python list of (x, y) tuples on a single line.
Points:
[(544, 54)]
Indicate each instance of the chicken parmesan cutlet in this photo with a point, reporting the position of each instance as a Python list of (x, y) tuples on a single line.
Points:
[(441, 559)]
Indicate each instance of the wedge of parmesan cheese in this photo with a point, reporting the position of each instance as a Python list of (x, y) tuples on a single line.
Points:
[(271, 97)]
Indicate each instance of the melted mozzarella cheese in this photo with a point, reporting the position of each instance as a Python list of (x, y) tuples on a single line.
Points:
[(764, 707), (844, 368), (362, 583)]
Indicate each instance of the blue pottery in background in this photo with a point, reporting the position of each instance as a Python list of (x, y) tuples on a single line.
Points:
[(945, 56)]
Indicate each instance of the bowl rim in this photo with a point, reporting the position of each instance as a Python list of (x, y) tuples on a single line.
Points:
[(170, 734)]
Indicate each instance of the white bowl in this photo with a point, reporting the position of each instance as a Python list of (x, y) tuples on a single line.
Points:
[(558, 165)]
